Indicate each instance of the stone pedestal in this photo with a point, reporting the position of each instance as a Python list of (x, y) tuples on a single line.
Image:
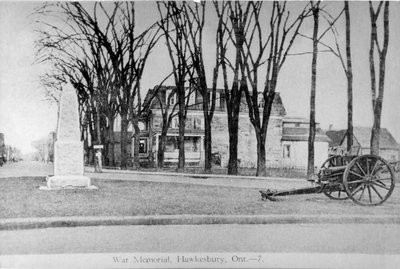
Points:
[(68, 149)]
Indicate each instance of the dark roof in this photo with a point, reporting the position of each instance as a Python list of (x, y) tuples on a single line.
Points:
[(363, 137), (336, 137), (150, 94), (278, 109), (301, 134)]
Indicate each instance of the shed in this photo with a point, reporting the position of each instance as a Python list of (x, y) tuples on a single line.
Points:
[(295, 135), (388, 146)]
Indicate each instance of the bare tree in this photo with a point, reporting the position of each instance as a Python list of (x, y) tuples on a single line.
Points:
[(375, 47), (234, 18), (346, 63), (196, 17), (114, 46), (271, 48), (167, 113), (163, 98), (349, 75), (79, 74), (175, 27), (315, 11)]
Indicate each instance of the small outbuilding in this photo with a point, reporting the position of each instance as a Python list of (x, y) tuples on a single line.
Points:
[(295, 143), (389, 148)]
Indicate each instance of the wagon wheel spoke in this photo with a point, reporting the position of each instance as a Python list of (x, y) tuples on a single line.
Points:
[(354, 173), (373, 169), (355, 181), (380, 182), (336, 194), (359, 167), (386, 178), (357, 189), (367, 165), (362, 193), (376, 191), (369, 194), (375, 187), (381, 170), (381, 186)]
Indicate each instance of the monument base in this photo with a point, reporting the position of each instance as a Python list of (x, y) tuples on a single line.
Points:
[(68, 182)]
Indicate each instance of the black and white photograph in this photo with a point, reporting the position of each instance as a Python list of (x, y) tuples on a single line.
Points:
[(200, 134)]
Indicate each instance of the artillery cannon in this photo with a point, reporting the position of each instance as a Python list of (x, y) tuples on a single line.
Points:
[(368, 180)]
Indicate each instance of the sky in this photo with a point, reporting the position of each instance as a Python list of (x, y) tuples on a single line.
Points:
[(26, 116)]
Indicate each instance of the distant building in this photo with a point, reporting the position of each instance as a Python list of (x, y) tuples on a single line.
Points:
[(286, 143), (2, 146), (295, 143), (388, 146), (335, 143)]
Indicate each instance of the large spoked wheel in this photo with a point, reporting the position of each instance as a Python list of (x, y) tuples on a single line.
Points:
[(335, 195), (369, 180)]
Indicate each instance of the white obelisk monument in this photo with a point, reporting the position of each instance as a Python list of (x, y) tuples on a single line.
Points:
[(68, 148)]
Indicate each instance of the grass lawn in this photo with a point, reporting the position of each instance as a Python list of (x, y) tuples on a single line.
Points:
[(20, 197)]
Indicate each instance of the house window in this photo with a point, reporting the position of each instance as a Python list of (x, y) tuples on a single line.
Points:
[(142, 126), (189, 123), (143, 146), (286, 151), (217, 99), (192, 144), (175, 123), (171, 144), (192, 98), (197, 123), (157, 122), (170, 94), (260, 100)]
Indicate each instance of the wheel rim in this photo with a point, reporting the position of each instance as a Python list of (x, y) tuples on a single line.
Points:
[(369, 180), (335, 195)]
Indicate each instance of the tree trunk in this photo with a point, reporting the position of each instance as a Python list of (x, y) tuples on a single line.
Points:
[(182, 118), (207, 143), (207, 127), (110, 145), (92, 142), (136, 144), (233, 145), (349, 75), (375, 135), (311, 138), (261, 155), (162, 141), (377, 103), (233, 110), (97, 166), (86, 147), (124, 139), (98, 127)]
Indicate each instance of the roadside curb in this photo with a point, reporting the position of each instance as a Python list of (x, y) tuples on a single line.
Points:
[(58, 222), (161, 173)]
